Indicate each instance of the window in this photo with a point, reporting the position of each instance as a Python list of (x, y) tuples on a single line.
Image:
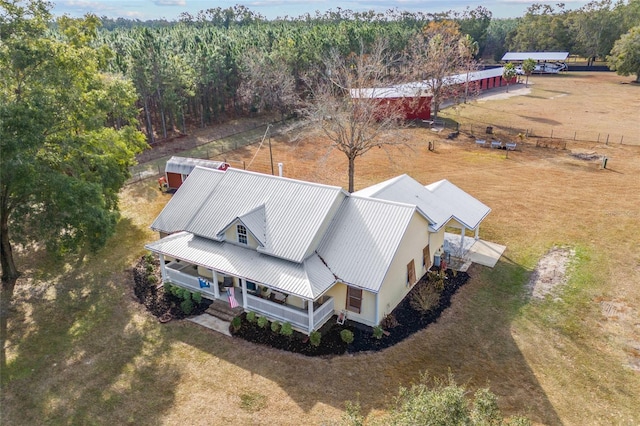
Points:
[(354, 299), (242, 234), (426, 258), (411, 273)]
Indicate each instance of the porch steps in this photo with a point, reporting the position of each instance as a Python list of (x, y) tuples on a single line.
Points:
[(221, 309)]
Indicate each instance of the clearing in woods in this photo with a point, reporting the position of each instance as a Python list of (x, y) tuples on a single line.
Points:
[(81, 350)]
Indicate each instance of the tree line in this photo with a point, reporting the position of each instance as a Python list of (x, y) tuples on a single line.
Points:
[(201, 69)]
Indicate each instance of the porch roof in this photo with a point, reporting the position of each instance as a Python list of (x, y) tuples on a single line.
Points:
[(309, 279)]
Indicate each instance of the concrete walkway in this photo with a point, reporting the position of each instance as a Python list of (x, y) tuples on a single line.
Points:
[(211, 322)]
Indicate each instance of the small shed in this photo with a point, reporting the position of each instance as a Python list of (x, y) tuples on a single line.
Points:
[(178, 168)]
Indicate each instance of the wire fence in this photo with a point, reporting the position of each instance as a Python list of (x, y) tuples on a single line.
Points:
[(212, 149), (555, 132)]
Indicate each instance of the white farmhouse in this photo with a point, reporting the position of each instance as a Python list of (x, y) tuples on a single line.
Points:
[(301, 252)]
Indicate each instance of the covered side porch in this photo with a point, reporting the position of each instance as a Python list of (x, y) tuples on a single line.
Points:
[(463, 251), (303, 314)]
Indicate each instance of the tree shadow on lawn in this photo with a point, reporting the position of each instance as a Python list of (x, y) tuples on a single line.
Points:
[(79, 355), (472, 339)]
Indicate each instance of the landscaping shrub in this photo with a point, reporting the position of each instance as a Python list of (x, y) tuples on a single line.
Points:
[(275, 326), (149, 258), (149, 268), (389, 321), (315, 338), (346, 336), (151, 279), (235, 323), (287, 329), (425, 298), (251, 317), (187, 306), (196, 297), (378, 332), (262, 322)]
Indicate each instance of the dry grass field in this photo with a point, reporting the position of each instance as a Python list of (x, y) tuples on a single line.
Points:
[(82, 351)]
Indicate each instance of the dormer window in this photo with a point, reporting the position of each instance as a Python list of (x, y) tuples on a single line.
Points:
[(242, 234)]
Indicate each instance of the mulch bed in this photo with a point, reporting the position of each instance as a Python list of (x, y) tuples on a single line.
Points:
[(152, 295), (405, 320)]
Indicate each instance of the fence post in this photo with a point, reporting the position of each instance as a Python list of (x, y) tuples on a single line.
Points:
[(574, 135), (244, 165), (621, 139), (598, 137), (551, 133), (607, 143)]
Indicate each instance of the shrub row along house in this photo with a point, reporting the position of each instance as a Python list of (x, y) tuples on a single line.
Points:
[(301, 252)]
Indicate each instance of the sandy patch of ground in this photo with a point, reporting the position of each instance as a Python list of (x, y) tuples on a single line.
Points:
[(494, 95), (550, 272), (623, 317)]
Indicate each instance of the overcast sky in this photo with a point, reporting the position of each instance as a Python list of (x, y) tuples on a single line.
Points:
[(170, 9)]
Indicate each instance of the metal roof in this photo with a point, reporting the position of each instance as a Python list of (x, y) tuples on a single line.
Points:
[(438, 202), (295, 211), (466, 209), (422, 88), (313, 234), (362, 240), (256, 223), (187, 201), (184, 165), (536, 56), (309, 279)]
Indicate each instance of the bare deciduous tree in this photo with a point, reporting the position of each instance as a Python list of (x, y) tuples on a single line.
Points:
[(351, 101), (267, 83), (437, 54)]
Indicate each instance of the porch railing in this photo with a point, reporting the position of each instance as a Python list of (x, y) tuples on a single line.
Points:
[(297, 317), (186, 280), (323, 313)]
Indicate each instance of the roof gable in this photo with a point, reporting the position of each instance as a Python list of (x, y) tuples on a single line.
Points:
[(284, 214), (363, 238), (184, 204), (438, 202)]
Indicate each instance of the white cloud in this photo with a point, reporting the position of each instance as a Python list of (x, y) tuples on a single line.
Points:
[(170, 2)]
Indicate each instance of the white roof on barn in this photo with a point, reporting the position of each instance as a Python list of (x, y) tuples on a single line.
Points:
[(536, 56), (311, 235), (439, 202), (184, 165), (422, 88)]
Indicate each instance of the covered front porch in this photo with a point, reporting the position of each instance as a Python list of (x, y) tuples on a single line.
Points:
[(303, 314)]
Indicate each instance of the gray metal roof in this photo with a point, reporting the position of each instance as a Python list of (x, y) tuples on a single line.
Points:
[(438, 202), (256, 224), (536, 56), (466, 209), (362, 240), (184, 165), (295, 212), (309, 279), (313, 234), (187, 201)]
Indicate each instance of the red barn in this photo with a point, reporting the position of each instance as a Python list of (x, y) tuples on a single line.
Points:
[(416, 99)]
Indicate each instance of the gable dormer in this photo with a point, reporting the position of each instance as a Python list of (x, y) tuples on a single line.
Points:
[(248, 230)]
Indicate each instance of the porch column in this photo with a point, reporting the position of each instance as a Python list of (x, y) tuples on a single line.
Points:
[(216, 289), (477, 231), (243, 282), (162, 270), (310, 310), (377, 311), (464, 230)]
